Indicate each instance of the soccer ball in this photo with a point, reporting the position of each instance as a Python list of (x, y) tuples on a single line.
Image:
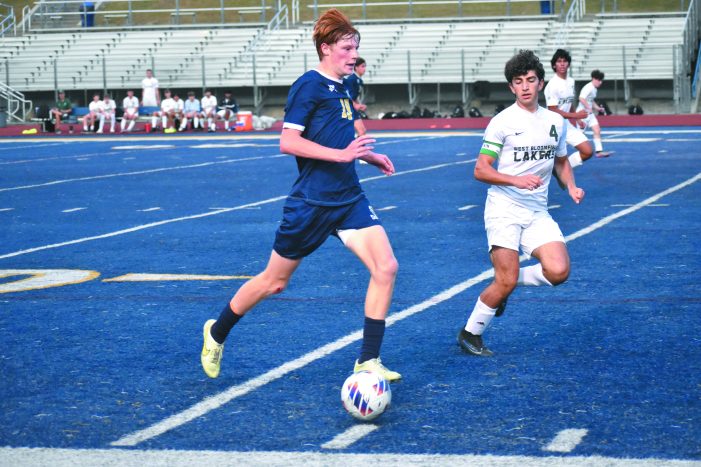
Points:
[(365, 395)]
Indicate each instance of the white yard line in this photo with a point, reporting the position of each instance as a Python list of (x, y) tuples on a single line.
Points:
[(350, 436), (566, 440), (197, 216), (138, 172), (57, 457), (217, 400)]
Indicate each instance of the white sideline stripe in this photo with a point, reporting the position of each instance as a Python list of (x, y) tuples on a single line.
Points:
[(387, 208), (350, 436), (467, 207), (6, 209), (43, 159), (566, 440), (156, 208), (73, 209), (197, 216), (139, 172), (217, 400), (139, 227), (656, 205), (147, 277), (554, 206), (57, 457)]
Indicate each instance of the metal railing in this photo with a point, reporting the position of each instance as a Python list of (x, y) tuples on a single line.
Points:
[(408, 6), (8, 22), (576, 11), (17, 106)]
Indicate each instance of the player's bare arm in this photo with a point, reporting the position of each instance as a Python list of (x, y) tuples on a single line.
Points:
[(570, 115), (566, 174), (292, 142), (485, 172), (381, 161)]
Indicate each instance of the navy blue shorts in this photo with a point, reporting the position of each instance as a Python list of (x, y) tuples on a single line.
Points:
[(305, 227)]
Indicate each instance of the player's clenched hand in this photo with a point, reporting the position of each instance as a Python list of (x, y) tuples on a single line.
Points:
[(577, 194), (582, 114), (359, 147), (528, 182), (380, 161)]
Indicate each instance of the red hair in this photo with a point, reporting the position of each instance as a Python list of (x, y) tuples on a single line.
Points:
[(331, 27)]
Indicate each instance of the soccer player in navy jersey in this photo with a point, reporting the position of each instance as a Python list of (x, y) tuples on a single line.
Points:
[(326, 199)]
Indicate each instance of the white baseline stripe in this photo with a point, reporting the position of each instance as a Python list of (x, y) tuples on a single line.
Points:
[(566, 440), (139, 172), (217, 400), (350, 436), (55, 457), (195, 216)]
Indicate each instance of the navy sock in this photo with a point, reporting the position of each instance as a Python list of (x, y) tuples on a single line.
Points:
[(226, 321), (373, 332)]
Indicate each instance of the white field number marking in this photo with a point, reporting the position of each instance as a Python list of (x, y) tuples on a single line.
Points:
[(566, 440)]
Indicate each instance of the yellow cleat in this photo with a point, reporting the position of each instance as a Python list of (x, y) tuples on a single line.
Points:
[(211, 352), (375, 365), (169, 130)]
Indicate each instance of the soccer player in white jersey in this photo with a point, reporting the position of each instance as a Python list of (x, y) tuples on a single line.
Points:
[(150, 94), (522, 144), (559, 97), (93, 113), (130, 105), (588, 104), (209, 110), (106, 111), (167, 113)]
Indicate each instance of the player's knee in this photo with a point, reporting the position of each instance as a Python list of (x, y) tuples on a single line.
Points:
[(506, 282), (276, 286), (556, 274), (385, 271)]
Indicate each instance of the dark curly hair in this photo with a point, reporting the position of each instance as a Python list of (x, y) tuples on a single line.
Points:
[(560, 53), (521, 63), (596, 74)]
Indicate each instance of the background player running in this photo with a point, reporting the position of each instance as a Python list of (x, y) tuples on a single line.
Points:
[(326, 199), (588, 104), (559, 97), (525, 141)]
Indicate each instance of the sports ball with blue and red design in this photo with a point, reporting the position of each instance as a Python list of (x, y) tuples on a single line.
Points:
[(365, 395)]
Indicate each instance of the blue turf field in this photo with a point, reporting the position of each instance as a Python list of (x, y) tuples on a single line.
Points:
[(108, 363)]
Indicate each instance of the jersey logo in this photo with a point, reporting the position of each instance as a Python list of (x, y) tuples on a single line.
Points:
[(332, 88), (346, 112), (553, 132)]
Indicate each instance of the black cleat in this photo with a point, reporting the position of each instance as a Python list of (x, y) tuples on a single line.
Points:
[(500, 309), (472, 344)]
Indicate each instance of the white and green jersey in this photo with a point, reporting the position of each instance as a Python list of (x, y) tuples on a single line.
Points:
[(525, 143), (588, 93), (560, 92)]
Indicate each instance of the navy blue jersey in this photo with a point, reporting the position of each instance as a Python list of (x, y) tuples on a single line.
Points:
[(354, 83), (320, 107)]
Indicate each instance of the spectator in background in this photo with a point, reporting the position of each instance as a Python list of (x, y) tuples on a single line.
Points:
[(150, 94), (179, 110), (191, 109), (167, 114), (209, 110), (93, 113), (130, 105), (61, 110), (106, 111), (228, 108)]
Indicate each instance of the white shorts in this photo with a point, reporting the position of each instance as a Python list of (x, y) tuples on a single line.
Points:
[(511, 226), (590, 121), (131, 113), (222, 114), (575, 136)]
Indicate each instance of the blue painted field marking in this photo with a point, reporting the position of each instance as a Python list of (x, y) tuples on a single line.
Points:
[(233, 392), (204, 214)]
